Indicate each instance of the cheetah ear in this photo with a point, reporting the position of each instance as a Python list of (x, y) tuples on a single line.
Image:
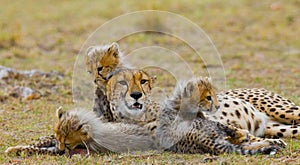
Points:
[(84, 128), (114, 49), (208, 79), (88, 61), (153, 79), (60, 112), (89, 50), (192, 92), (188, 90), (200, 115)]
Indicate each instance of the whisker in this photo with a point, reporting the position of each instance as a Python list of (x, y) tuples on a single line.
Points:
[(87, 148)]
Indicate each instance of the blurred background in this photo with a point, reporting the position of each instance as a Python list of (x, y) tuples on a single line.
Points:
[(259, 44), (250, 35)]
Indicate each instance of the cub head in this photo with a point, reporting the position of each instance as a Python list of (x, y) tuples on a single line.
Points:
[(129, 90), (69, 130), (102, 60), (200, 92)]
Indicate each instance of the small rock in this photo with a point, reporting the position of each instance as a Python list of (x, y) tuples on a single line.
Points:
[(3, 98), (7, 72), (32, 73), (276, 6), (25, 92)]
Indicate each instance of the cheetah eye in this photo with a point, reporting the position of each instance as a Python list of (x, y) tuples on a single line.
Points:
[(89, 72), (143, 81), (79, 127), (100, 69), (122, 82), (109, 76), (208, 98), (67, 145), (115, 54)]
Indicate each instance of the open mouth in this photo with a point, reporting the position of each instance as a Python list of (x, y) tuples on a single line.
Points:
[(137, 106), (80, 149)]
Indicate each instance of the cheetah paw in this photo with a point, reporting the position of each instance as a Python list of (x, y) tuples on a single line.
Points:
[(13, 150), (278, 142)]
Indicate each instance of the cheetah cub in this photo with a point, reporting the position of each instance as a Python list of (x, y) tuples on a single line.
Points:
[(83, 128), (242, 114), (101, 62), (183, 128)]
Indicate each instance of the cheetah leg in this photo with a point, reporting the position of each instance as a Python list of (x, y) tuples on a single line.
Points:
[(43, 145), (252, 142), (276, 107), (30, 149), (259, 145), (45, 141), (286, 114), (240, 135), (266, 142), (276, 129)]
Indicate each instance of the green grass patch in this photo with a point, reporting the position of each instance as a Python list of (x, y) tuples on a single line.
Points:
[(258, 42)]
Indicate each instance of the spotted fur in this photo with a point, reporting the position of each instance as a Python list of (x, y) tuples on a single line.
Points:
[(259, 108), (183, 128), (128, 92), (275, 106), (101, 62), (43, 145), (84, 128)]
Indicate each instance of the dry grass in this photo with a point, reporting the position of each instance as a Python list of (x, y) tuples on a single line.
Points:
[(259, 43)]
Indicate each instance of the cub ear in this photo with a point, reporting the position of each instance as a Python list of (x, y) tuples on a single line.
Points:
[(114, 49), (154, 78), (189, 88), (208, 79), (152, 81), (89, 50), (85, 129), (88, 63), (60, 112), (200, 115)]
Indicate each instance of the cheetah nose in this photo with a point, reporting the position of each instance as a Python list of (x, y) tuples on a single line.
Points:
[(136, 95), (217, 107)]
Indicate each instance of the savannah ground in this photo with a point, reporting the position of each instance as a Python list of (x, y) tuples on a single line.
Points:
[(258, 41)]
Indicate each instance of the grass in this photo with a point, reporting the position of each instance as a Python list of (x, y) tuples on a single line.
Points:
[(258, 42)]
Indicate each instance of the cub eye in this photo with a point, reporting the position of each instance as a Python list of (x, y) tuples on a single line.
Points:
[(67, 145), (208, 98), (79, 127), (89, 72), (109, 76), (115, 54), (143, 81), (100, 69), (122, 82)]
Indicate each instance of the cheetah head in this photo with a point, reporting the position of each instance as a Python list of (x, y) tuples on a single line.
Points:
[(101, 61), (129, 91), (70, 131), (200, 94)]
